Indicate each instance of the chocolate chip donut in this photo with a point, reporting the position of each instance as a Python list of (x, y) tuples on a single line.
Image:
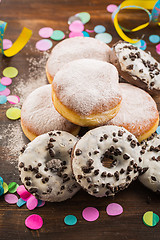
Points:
[(136, 66), (45, 166), (95, 148), (151, 160)]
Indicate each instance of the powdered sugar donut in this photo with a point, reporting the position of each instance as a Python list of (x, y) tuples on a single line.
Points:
[(138, 112), (45, 166), (95, 148), (136, 66), (39, 116), (75, 48), (86, 92)]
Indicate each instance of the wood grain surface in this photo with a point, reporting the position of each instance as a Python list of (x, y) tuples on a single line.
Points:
[(136, 200)]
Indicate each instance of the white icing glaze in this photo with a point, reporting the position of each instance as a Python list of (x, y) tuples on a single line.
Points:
[(154, 166), (95, 140), (87, 86), (36, 152), (138, 64), (38, 114), (75, 48), (138, 112)]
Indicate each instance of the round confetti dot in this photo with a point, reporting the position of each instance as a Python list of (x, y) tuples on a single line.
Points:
[(154, 38), (143, 44), (34, 222), (150, 219), (6, 81), (45, 32), (32, 203), (13, 113), (12, 187), (158, 47), (137, 44), (7, 44), (76, 26), (3, 99), (2, 87), (6, 92), (99, 29), (11, 198), (85, 34), (24, 194), (84, 16), (13, 99), (58, 35), (72, 19), (10, 72), (158, 130), (20, 202), (5, 187), (104, 37), (111, 8), (44, 44), (114, 209), (75, 34), (70, 220), (40, 203), (1, 190), (90, 214), (1, 180)]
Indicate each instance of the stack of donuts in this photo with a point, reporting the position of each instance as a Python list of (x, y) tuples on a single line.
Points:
[(119, 119)]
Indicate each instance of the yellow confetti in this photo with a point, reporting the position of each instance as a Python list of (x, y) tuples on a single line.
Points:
[(13, 113), (5, 187)]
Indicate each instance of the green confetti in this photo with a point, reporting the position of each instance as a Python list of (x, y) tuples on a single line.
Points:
[(12, 187)]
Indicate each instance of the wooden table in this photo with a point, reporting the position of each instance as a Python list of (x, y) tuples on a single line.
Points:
[(136, 200)]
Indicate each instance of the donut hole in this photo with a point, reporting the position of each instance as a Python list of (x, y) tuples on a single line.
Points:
[(109, 159)]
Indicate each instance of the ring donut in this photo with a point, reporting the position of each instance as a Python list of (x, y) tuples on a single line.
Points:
[(45, 166), (110, 142)]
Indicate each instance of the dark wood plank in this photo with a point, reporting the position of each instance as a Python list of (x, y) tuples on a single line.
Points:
[(34, 15)]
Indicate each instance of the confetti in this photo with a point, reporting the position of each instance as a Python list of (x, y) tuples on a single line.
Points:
[(154, 38), (23, 193), (76, 26), (85, 34), (13, 99), (6, 81), (143, 45), (158, 130), (104, 37), (1, 180), (150, 219), (70, 220), (7, 44), (5, 187), (20, 202), (3, 99), (6, 92), (11, 198), (58, 35), (90, 31), (34, 222), (158, 48), (44, 44), (90, 214), (10, 72), (72, 19), (12, 187), (137, 44), (99, 29), (32, 203), (84, 16), (45, 32), (1, 186), (114, 209), (75, 34), (13, 113), (40, 203), (2, 87), (111, 8)]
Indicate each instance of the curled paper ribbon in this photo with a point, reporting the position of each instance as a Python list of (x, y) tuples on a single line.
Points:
[(18, 44), (137, 4)]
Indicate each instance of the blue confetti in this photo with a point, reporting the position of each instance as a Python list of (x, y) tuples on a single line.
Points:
[(3, 99), (99, 29), (2, 87), (154, 38), (85, 34), (20, 202), (158, 130), (70, 220)]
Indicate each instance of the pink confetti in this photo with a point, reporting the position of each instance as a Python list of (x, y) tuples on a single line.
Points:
[(111, 8), (158, 48), (46, 32), (6, 81), (42, 204), (24, 194), (75, 34), (44, 44), (34, 222), (114, 209), (13, 99), (90, 31), (32, 203), (6, 92), (11, 198), (76, 26), (90, 214), (7, 44)]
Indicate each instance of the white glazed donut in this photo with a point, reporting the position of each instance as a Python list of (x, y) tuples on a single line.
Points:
[(151, 160), (45, 166), (109, 142)]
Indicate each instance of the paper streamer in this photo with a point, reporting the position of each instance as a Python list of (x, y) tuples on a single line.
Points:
[(18, 44)]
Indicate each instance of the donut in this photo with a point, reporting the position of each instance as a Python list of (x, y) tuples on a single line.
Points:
[(151, 160), (98, 146), (138, 112), (45, 166), (136, 66), (75, 48), (39, 116), (86, 92)]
